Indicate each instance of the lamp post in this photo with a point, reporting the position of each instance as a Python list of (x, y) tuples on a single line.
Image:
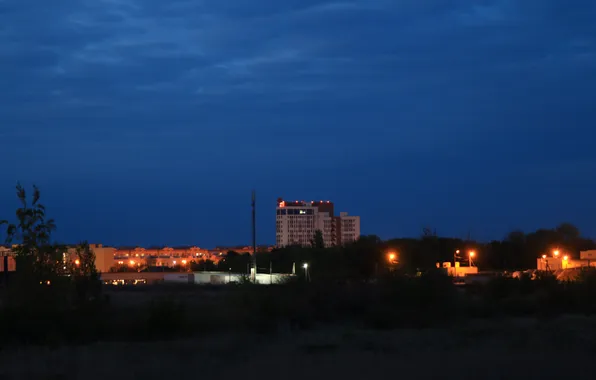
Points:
[(392, 260), (471, 255), (455, 263), (305, 266)]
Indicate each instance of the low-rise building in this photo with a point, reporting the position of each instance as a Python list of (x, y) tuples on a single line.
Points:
[(553, 263), (6, 259), (457, 270), (109, 259)]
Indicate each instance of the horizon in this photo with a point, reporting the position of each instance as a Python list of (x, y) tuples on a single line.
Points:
[(150, 122)]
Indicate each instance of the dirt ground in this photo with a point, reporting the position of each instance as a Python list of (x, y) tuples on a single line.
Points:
[(503, 349)]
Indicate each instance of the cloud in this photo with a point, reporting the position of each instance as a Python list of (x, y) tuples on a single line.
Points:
[(183, 54)]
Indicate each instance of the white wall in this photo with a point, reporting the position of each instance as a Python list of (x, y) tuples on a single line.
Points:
[(588, 255), (224, 278), (180, 278)]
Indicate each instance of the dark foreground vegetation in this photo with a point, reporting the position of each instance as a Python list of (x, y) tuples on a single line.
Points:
[(393, 302), (54, 301)]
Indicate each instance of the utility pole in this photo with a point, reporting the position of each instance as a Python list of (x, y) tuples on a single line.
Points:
[(254, 239)]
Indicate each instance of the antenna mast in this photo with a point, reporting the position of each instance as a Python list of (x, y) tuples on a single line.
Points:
[(254, 240)]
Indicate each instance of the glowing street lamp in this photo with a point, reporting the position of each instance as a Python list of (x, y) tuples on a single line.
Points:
[(556, 253), (471, 255), (544, 262), (392, 257), (77, 262), (305, 266)]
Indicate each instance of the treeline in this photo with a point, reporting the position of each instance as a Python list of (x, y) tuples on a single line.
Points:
[(370, 255)]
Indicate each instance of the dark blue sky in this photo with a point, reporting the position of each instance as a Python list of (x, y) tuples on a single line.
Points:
[(149, 122)]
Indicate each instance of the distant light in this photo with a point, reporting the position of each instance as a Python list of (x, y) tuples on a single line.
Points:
[(472, 253), (183, 262), (132, 262), (565, 258), (457, 251), (305, 265), (544, 256), (174, 262), (556, 252), (77, 262)]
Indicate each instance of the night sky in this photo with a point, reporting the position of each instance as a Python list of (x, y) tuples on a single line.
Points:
[(150, 121)]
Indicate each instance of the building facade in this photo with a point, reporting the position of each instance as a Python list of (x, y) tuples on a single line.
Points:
[(297, 222), (586, 259), (109, 259)]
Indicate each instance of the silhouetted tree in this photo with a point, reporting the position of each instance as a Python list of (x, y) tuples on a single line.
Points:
[(38, 258), (317, 241)]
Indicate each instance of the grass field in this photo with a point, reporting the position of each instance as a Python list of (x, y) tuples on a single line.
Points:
[(486, 349)]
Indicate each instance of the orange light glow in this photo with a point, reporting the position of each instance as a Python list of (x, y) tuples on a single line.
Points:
[(183, 262), (544, 256), (556, 252), (132, 262), (565, 258), (77, 262), (282, 204), (472, 253)]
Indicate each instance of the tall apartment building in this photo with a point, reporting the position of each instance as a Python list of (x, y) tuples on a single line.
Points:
[(297, 221)]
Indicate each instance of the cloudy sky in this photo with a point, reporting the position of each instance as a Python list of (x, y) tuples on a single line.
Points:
[(150, 121)]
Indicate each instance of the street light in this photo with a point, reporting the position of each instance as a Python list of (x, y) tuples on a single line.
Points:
[(455, 254), (391, 257), (305, 266), (556, 253), (471, 254)]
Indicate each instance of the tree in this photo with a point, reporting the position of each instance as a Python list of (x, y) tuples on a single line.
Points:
[(150, 261), (317, 241), (34, 250), (568, 232), (85, 261), (87, 283)]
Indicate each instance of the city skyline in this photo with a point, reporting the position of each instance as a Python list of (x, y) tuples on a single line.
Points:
[(150, 122)]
